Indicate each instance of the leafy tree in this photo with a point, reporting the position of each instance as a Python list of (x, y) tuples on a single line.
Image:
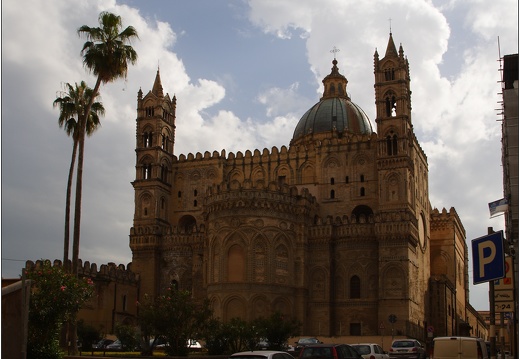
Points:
[(241, 335), (72, 105), (56, 296), (128, 336), (215, 337), (87, 334), (175, 316), (277, 329), (106, 54)]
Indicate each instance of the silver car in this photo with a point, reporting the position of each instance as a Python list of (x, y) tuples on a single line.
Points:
[(370, 351), (407, 349), (261, 354)]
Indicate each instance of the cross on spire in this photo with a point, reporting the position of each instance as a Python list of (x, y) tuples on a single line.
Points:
[(334, 51)]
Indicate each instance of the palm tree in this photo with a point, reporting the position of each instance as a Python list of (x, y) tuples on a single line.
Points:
[(72, 104), (106, 54)]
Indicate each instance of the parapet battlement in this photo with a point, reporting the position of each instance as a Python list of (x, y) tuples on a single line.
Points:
[(109, 271)]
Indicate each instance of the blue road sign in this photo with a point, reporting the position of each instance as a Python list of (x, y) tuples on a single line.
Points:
[(488, 257)]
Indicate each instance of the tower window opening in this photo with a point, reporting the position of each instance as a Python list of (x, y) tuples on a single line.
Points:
[(147, 139), (332, 89), (179, 194), (164, 173), (149, 111), (346, 179), (281, 180), (195, 203), (124, 303), (389, 74), (391, 106), (147, 171), (391, 145), (332, 180), (362, 178), (163, 142), (332, 194), (195, 193), (362, 192)]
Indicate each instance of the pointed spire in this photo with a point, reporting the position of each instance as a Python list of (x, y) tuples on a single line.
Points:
[(157, 89), (390, 48)]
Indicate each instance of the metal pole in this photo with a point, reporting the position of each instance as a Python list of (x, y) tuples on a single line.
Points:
[(492, 332)]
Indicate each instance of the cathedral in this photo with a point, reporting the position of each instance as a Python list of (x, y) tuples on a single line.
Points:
[(335, 230)]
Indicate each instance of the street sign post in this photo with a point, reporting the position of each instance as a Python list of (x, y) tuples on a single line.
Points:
[(488, 257)]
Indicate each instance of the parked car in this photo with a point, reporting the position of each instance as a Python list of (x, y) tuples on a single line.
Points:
[(262, 354), (263, 344), (303, 342), (102, 344), (194, 345), (160, 343), (407, 349), (116, 345), (371, 351), (329, 351)]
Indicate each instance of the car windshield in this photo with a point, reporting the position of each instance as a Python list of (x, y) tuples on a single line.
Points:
[(362, 349), (246, 356), (403, 344), (307, 340)]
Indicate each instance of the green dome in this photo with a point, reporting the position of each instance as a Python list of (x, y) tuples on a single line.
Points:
[(333, 113)]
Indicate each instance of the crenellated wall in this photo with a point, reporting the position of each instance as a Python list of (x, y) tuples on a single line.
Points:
[(116, 294)]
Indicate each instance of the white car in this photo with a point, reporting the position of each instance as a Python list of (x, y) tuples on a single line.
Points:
[(261, 354), (370, 351)]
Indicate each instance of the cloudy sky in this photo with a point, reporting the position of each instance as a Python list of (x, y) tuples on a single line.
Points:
[(244, 72)]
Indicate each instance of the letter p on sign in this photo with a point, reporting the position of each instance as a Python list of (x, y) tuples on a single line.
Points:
[(488, 257)]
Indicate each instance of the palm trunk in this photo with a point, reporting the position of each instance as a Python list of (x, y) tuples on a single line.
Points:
[(66, 245), (77, 206), (79, 180)]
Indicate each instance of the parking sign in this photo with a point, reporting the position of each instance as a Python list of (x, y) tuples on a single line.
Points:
[(488, 257)]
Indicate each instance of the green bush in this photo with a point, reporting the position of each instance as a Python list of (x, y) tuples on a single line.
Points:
[(128, 336), (56, 297)]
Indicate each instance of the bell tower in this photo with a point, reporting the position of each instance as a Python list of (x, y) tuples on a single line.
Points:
[(394, 127), (155, 137), (404, 209)]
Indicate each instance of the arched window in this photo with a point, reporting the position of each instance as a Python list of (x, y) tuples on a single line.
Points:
[(332, 180), (391, 144), (164, 173), (147, 171), (236, 264), (391, 106), (362, 191), (147, 139), (355, 287), (332, 194), (362, 178)]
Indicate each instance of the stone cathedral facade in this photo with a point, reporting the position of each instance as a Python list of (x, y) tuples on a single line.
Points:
[(336, 229)]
